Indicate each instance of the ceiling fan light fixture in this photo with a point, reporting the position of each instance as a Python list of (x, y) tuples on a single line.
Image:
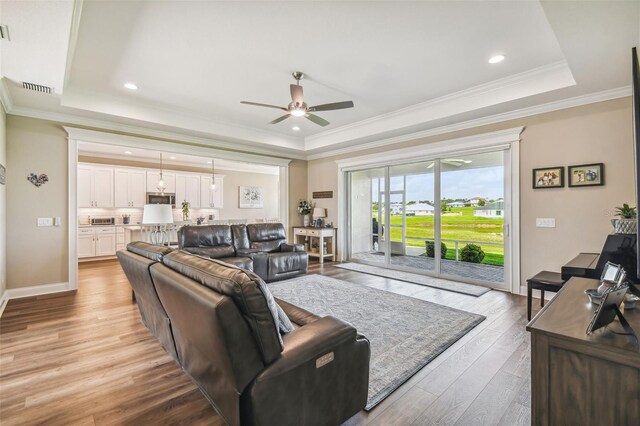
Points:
[(298, 112)]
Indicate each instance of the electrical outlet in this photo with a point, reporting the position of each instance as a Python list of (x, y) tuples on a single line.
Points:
[(545, 222), (45, 221)]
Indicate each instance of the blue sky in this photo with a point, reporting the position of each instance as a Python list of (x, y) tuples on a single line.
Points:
[(485, 182)]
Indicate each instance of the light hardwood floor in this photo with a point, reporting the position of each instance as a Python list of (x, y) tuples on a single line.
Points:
[(86, 358)]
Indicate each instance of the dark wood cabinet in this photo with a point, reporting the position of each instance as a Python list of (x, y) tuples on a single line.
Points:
[(580, 379)]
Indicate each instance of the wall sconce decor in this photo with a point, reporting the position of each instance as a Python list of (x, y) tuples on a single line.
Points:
[(38, 181)]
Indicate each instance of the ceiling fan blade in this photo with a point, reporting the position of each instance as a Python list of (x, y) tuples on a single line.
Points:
[(296, 94), (332, 106), (318, 120), (279, 119), (263, 105)]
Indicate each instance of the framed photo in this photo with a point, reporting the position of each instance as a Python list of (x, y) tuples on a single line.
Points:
[(251, 197), (3, 175), (586, 175), (549, 177)]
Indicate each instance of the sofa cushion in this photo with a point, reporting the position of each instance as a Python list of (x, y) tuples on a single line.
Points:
[(248, 291), (149, 251), (284, 323), (215, 252), (205, 236), (240, 262), (240, 237)]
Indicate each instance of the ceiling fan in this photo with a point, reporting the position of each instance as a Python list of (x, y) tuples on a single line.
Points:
[(299, 108)]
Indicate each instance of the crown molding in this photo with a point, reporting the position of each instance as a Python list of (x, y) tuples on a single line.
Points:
[(93, 136), (539, 80), (5, 96), (605, 95), (76, 120)]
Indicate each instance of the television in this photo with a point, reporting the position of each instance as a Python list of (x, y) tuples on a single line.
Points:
[(635, 72)]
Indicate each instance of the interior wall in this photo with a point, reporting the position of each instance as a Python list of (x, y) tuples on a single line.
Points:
[(3, 204), (36, 255), (232, 181), (599, 132), (297, 192)]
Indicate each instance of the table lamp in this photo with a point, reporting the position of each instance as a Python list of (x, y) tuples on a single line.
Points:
[(159, 215), (319, 213)]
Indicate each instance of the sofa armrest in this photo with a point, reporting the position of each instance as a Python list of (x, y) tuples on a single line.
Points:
[(326, 355), (285, 247)]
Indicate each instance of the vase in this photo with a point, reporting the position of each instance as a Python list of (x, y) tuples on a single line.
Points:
[(625, 226), (306, 220)]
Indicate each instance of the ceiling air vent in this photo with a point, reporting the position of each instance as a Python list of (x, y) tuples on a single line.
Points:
[(4, 32), (36, 87)]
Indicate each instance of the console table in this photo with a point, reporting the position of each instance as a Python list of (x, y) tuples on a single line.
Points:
[(577, 378), (319, 235)]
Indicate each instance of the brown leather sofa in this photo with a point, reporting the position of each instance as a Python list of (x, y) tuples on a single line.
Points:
[(223, 324), (261, 248)]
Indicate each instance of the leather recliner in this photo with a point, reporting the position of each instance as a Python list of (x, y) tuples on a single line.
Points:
[(227, 340), (261, 248)]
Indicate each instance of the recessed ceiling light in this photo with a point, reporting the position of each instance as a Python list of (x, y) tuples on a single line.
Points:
[(295, 128), (496, 59), (131, 86), (172, 158), (128, 152)]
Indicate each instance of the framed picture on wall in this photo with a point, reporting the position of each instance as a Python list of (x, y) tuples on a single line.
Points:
[(549, 177), (251, 197), (586, 175)]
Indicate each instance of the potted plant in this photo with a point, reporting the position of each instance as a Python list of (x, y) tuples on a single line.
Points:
[(305, 208), (185, 210), (627, 223), (126, 218)]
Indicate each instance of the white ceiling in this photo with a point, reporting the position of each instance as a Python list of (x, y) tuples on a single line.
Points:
[(408, 66)]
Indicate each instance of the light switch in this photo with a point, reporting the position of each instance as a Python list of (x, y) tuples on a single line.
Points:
[(546, 222), (45, 221), (57, 221)]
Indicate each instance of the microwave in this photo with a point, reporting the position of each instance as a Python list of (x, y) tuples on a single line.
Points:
[(161, 198)]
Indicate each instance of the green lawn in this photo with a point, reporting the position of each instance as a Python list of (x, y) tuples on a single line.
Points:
[(459, 224)]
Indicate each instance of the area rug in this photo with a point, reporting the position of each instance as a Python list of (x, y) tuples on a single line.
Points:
[(405, 333), (456, 287)]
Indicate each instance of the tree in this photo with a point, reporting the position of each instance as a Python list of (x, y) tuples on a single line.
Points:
[(411, 203), (481, 203)]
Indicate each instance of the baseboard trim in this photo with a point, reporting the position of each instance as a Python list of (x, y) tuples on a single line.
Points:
[(3, 302), (31, 291)]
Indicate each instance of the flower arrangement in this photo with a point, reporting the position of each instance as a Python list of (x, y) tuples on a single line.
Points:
[(185, 210), (305, 207)]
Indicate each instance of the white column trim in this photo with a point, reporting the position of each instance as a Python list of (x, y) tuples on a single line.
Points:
[(283, 203), (72, 221)]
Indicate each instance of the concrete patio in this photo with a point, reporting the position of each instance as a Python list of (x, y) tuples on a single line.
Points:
[(474, 271)]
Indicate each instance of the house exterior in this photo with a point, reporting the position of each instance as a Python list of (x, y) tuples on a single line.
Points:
[(474, 201), (456, 204), (420, 210), (495, 209)]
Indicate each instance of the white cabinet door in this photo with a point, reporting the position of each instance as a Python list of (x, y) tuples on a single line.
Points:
[(217, 196), (121, 188), (86, 245), (169, 179), (137, 188), (105, 244), (206, 195), (181, 189), (193, 190), (84, 186), (102, 186)]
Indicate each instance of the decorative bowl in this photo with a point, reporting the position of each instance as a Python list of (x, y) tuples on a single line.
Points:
[(594, 296)]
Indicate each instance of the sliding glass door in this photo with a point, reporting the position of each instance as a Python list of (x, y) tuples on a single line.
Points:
[(444, 217)]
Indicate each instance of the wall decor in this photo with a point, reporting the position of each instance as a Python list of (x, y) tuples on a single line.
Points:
[(3, 175), (586, 175), (251, 197), (38, 181), (548, 177), (322, 194)]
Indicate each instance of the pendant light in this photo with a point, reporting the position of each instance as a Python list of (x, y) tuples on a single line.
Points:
[(161, 184), (213, 175)]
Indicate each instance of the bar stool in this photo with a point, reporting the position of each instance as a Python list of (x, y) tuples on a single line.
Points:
[(543, 281)]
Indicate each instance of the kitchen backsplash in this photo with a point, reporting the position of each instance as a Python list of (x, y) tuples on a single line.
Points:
[(85, 214)]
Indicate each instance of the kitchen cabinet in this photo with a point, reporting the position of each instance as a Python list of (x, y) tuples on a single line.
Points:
[(93, 242), (211, 198), (130, 187), (95, 186), (86, 243), (188, 188), (169, 179)]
